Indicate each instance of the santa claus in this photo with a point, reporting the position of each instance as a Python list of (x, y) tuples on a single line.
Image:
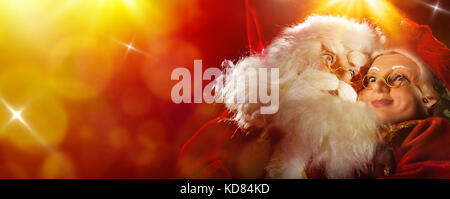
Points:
[(319, 130)]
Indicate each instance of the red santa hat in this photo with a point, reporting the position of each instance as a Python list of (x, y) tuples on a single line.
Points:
[(418, 42)]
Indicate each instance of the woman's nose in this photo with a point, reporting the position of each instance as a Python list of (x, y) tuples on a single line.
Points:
[(381, 87)]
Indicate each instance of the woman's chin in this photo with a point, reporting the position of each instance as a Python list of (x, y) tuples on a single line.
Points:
[(387, 118)]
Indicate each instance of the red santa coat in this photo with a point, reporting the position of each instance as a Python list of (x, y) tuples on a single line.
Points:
[(420, 149), (220, 150)]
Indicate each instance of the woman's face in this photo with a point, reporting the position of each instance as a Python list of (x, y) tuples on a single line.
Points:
[(396, 98)]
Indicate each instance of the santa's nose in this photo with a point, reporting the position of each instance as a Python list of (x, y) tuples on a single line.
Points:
[(346, 75)]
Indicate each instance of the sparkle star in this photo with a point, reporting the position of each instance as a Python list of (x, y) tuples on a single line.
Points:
[(435, 8), (17, 115), (130, 46)]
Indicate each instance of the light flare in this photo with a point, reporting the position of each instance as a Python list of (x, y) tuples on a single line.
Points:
[(380, 12), (435, 8), (130, 47), (17, 115)]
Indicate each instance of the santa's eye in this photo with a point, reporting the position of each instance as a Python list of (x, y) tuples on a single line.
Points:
[(328, 58), (352, 73)]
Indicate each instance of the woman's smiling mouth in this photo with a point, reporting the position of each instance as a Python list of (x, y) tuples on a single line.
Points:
[(382, 102)]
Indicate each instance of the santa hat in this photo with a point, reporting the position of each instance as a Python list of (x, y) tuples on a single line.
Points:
[(418, 43)]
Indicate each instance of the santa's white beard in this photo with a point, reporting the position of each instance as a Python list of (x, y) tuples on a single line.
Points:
[(334, 132), (337, 134)]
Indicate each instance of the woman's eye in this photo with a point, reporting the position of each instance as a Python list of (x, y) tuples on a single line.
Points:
[(399, 78), (372, 79)]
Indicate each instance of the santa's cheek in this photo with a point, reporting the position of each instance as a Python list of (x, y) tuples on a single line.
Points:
[(322, 67)]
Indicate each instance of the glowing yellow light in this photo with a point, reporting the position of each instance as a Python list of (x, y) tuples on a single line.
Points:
[(380, 12)]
